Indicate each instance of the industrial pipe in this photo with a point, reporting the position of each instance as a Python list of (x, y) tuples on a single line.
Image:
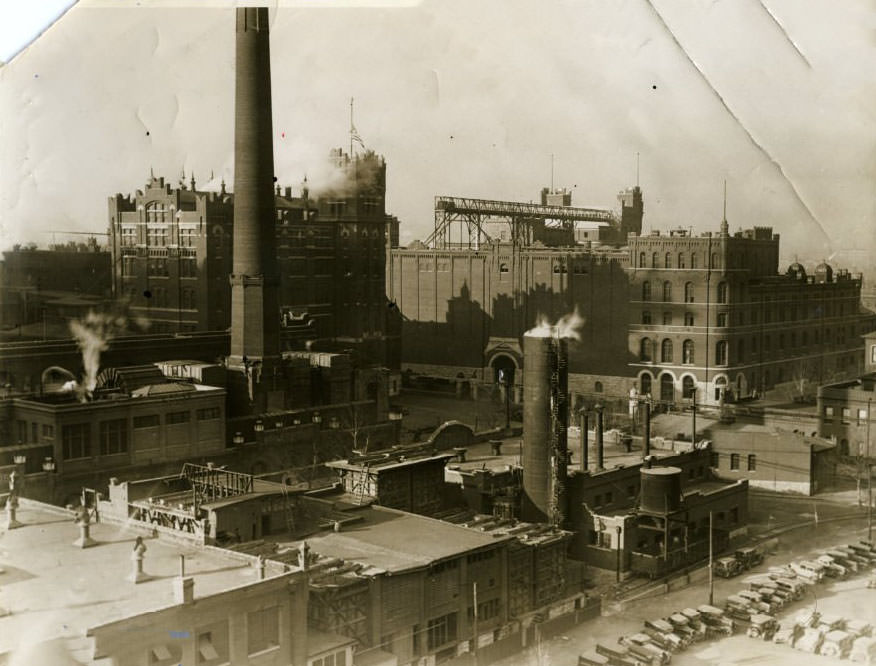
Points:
[(599, 441)]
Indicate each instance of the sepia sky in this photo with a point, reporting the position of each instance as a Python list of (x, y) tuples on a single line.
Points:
[(470, 99)]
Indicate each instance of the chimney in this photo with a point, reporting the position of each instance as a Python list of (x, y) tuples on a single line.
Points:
[(600, 449), (255, 326), (184, 590)]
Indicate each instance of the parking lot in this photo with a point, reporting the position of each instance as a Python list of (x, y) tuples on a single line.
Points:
[(849, 598)]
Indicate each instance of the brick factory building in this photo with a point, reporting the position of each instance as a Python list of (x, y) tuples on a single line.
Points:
[(669, 313)]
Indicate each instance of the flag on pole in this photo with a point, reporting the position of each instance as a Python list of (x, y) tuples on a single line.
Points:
[(354, 136)]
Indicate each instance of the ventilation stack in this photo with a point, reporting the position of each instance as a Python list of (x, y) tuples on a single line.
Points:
[(545, 418)]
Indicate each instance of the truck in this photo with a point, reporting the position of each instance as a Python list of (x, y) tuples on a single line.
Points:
[(727, 567), (749, 557), (762, 626), (832, 567), (756, 601)]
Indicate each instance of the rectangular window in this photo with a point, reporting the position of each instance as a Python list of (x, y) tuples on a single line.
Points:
[(128, 266), (188, 267), (21, 426), (609, 497), (76, 440), (113, 437), (207, 413), (263, 629), (752, 462), (646, 317), (48, 432), (715, 459), (828, 414), (667, 318), (862, 415), (734, 461), (147, 421), (722, 319), (129, 237), (734, 515), (177, 417), (847, 414), (631, 491), (33, 433), (441, 631)]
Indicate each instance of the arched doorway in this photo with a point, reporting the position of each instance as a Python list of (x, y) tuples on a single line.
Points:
[(667, 388), (504, 373), (645, 383), (720, 387), (688, 387)]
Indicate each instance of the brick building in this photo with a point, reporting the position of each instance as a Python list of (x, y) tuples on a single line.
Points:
[(711, 313), (172, 252), (670, 313), (844, 408)]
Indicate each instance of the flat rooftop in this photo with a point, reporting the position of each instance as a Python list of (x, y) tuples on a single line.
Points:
[(395, 541), (52, 589)]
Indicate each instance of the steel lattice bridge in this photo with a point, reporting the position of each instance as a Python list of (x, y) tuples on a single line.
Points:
[(470, 215)]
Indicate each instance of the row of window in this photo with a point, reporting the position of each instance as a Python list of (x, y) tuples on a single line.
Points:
[(846, 415), (158, 237), (160, 266), (21, 426), (681, 259), (113, 434), (735, 461), (647, 347)]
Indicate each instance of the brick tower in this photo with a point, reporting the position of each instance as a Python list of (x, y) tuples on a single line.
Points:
[(255, 326)]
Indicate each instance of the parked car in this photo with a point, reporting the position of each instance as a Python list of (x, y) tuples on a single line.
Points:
[(762, 626), (859, 628), (682, 626), (620, 656), (592, 660), (727, 567), (810, 641), (863, 651), (756, 602), (852, 564), (664, 635), (836, 644), (715, 618), (788, 633), (833, 568), (641, 646), (805, 570)]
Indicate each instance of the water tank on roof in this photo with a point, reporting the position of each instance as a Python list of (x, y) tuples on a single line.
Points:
[(661, 489)]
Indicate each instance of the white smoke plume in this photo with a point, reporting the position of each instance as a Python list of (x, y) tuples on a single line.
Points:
[(568, 326), (93, 334), (337, 177)]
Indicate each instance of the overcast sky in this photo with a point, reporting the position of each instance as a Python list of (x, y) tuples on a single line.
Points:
[(469, 98)]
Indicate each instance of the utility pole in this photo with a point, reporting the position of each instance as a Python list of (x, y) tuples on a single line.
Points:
[(869, 478), (711, 566), (474, 648)]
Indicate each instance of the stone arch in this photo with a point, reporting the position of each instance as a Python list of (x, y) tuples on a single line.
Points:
[(646, 382), (667, 386), (451, 434)]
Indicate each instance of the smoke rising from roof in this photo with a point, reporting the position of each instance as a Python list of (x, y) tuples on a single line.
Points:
[(568, 326)]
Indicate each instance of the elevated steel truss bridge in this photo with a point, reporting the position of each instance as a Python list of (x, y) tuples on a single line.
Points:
[(460, 222)]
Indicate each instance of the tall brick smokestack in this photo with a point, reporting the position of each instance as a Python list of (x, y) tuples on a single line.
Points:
[(255, 325)]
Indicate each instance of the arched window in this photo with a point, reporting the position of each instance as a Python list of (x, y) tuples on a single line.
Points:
[(156, 211), (688, 319), (646, 291), (722, 292), (688, 388), (666, 351), (646, 352), (687, 352), (667, 291), (645, 384), (667, 388), (693, 260), (668, 261), (721, 352), (653, 260), (597, 387), (641, 260), (688, 292), (681, 259)]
